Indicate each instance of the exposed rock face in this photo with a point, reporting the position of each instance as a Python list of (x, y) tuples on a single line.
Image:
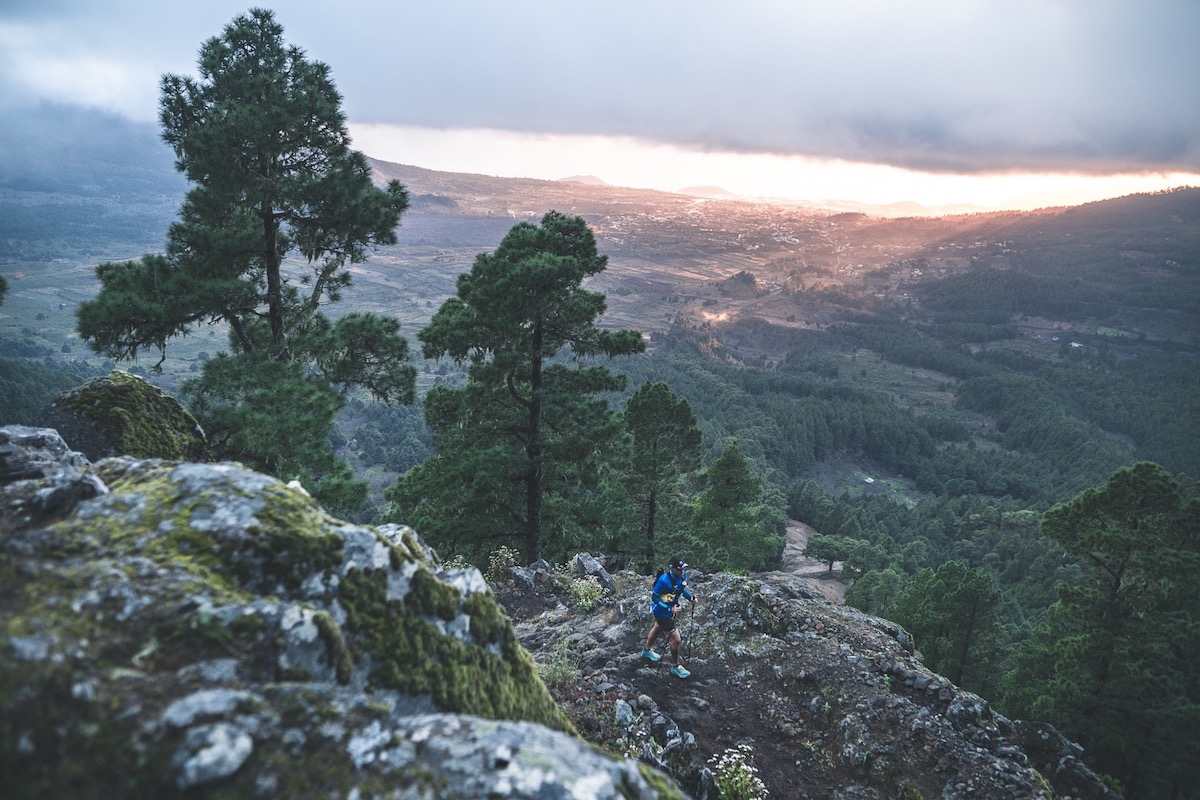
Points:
[(834, 703), (49, 475), (204, 629), (122, 414)]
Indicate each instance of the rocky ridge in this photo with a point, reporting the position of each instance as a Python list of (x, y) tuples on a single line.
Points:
[(832, 703)]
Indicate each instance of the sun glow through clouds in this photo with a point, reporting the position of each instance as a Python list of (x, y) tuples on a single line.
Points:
[(623, 161)]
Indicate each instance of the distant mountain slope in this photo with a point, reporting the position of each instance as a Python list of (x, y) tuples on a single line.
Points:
[(61, 149), (521, 197), (714, 192), (73, 180), (1137, 251), (81, 185), (587, 180)]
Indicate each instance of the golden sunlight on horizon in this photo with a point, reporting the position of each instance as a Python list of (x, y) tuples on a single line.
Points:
[(624, 161)]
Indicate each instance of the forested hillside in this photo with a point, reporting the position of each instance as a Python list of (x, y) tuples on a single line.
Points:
[(929, 419), (944, 437)]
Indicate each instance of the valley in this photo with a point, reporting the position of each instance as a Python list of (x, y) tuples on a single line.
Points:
[(745, 282)]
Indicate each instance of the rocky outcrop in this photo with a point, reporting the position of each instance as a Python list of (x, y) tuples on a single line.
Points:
[(123, 414), (171, 628), (832, 703)]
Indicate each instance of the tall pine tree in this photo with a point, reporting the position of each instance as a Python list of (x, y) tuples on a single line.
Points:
[(519, 449), (736, 521), (664, 444), (951, 614), (1114, 664), (262, 138)]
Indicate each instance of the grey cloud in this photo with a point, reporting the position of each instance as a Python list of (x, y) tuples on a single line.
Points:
[(1095, 86)]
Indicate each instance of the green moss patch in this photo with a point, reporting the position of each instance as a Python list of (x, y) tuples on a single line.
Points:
[(414, 656), (291, 540), (137, 418), (488, 621), (335, 644), (429, 596), (286, 539), (660, 783)]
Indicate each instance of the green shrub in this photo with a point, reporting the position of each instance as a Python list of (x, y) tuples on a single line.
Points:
[(586, 592), (458, 562), (499, 563), (561, 668)]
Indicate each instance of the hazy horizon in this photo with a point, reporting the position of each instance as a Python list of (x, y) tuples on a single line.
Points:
[(644, 165)]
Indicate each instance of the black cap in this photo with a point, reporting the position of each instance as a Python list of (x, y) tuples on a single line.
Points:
[(679, 564)]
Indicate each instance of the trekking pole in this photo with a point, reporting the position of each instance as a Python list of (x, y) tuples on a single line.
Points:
[(688, 639)]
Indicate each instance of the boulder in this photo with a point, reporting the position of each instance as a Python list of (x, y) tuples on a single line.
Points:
[(1060, 760), (587, 564), (29, 453), (524, 577), (42, 475), (125, 415)]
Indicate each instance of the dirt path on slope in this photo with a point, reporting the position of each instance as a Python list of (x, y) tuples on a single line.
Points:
[(814, 573)]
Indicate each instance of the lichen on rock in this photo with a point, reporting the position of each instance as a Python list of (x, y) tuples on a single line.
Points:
[(208, 629)]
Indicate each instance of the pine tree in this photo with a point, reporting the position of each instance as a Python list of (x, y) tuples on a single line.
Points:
[(665, 444), (738, 523), (262, 138), (876, 591), (1114, 664), (951, 614), (827, 549), (521, 447)]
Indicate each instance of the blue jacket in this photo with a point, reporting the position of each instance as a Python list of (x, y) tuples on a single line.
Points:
[(666, 594)]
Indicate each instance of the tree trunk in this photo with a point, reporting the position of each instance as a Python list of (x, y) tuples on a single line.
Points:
[(651, 511), (533, 453), (968, 635), (274, 279)]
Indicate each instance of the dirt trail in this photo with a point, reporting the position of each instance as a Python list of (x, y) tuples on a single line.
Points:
[(814, 573)]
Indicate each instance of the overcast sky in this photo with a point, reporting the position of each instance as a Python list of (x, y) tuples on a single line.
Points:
[(925, 92)]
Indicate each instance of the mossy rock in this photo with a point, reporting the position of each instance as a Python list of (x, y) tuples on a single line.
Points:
[(205, 630), (122, 414)]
